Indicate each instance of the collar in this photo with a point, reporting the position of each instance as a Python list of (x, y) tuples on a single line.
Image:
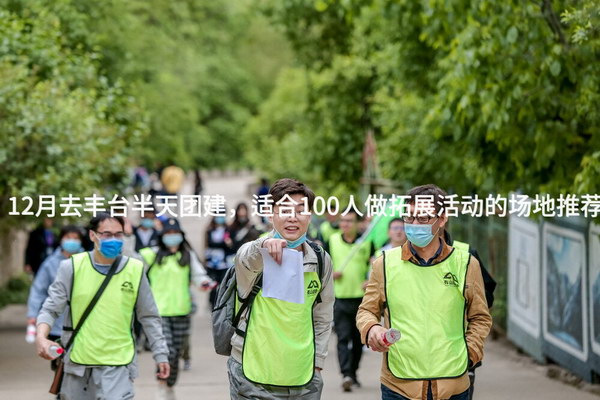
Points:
[(409, 254), (352, 242)]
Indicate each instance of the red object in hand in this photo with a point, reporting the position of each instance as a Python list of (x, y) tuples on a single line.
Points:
[(390, 337), (209, 285), (55, 351)]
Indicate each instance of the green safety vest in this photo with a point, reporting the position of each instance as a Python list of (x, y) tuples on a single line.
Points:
[(427, 305), (106, 337), (327, 230), (461, 245), (279, 346), (349, 286), (170, 283)]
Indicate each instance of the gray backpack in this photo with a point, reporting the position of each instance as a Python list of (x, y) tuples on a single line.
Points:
[(224, 318)]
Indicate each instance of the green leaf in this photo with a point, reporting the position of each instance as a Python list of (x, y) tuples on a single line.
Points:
[(512, 35), (555, 68)]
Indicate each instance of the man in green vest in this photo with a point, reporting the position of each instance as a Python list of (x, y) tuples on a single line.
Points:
[(350, 258), (396, 236), (328, 227), (279, 347), (101, 363), (434, 295)]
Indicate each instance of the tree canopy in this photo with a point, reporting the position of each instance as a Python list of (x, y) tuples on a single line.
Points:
[(478, 97)]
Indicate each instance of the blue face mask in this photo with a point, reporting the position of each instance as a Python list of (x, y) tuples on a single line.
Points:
[(220, 220), (110, 248), (147, 222), (71, 245), (419, 234), (291, 244), (172, 239)]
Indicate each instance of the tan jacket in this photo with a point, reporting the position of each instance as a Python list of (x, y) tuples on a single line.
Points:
[(248, 264), (479, 322)]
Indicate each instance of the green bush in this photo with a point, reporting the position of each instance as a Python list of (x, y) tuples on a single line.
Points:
[(15, 291)]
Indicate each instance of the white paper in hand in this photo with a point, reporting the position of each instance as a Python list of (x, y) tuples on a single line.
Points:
[(286, 281)]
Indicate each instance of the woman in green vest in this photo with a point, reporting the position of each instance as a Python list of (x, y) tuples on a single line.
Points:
[(172, 268)]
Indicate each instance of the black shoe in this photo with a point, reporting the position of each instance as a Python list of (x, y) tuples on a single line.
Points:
[(356, 383), (347, 384)]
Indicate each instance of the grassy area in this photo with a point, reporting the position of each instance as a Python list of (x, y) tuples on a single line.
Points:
[(15, 291)]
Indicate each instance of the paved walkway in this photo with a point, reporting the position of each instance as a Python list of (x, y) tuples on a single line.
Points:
[(24, 376), (505, 376)]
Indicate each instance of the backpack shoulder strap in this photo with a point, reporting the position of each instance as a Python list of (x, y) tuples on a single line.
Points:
[(319, 252), (246, 303)]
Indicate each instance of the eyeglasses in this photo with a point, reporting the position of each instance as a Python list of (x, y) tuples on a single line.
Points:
[(421, 219), (110, 235)]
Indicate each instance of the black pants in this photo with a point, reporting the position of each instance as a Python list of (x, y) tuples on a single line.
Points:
[(175, 329), (349, 346), (472, 381)]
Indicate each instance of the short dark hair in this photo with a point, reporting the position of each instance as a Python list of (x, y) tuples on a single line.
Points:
[(149, 211), (396, 219), (291, 187), (352, 211), (103, 216), (428, 190), (65, 230)]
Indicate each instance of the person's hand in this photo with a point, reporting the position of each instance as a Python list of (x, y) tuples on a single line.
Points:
[(275, 248), (375, 339), (164, 370), (208, 285), (337, 275), (30, 321), (28, 269), (318, 369), (364, 285), (43, 347)]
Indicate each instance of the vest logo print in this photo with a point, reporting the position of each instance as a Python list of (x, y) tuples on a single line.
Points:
[(450, 280), (127, 287), (313, 287)]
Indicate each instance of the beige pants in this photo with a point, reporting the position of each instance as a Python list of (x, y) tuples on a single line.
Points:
[(98, 383)]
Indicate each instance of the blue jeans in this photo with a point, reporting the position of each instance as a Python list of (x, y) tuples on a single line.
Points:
[(388, 394)]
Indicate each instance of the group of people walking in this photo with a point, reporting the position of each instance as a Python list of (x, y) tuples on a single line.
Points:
[(421, 283)]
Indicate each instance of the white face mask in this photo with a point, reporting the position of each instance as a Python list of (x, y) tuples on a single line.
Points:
[(172, 239)]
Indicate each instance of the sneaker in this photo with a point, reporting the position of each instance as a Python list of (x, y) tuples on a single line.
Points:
[(170, 393), (347, 384), (187, 365), (161, 393), (356, 383)]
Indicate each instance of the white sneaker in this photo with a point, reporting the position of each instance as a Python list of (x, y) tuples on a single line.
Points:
[(347, 384), (170, 393), (165, 392), (161, 392)]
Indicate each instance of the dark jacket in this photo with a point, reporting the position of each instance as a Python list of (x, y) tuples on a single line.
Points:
[(38, 249), (488, 282), (151, 243)]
